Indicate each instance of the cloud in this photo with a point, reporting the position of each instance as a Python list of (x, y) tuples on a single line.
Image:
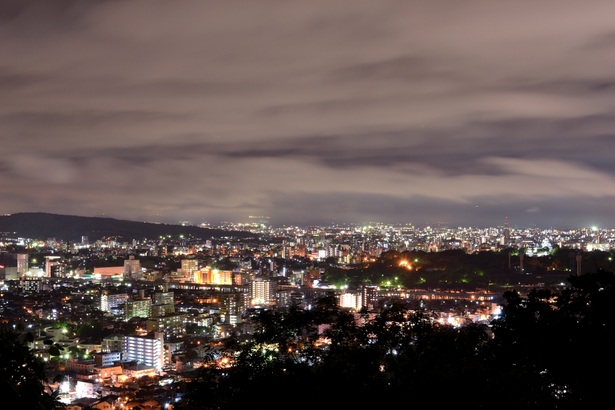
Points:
[(392, 109)]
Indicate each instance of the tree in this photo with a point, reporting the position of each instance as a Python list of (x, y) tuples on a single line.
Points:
[(588, 308), (22, 375), (558, 346), (548, 350)]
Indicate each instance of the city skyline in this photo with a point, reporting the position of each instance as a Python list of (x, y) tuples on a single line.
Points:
[(320, 112)]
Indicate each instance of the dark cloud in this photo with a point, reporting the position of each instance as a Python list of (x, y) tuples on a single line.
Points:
[(354, 111)]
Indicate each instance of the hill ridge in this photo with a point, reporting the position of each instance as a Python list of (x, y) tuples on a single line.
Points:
[(43, 225)]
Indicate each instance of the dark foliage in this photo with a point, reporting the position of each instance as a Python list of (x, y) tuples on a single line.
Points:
[(548, 350), (454, 269), (22, 376)]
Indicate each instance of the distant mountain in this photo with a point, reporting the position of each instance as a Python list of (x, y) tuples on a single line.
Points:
[(38, 225)]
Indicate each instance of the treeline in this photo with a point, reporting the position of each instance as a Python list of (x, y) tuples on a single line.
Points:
[(456, 269), (548, 350)]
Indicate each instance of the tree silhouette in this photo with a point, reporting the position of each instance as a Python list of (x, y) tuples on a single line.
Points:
[(548, 350), (22, 375)]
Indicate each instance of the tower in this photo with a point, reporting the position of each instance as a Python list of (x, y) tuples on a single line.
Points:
[(22, 264), (506, 232)]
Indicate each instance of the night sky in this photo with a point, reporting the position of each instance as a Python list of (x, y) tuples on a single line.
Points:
[(461, 113)]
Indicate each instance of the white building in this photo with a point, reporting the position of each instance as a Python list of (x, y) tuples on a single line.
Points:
[(146, 350), (262, 292), (351, 300), (111, 303)]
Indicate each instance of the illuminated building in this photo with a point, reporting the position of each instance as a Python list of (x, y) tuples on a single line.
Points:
[(147, 350), (164, 303), (138, 308), (87, 388), (52, 267), (369, 296), (81, 366), (188, 268), (164, 298), (172, 324), (262, 292), (107, 358), (351, 300), (113, 303), (132, 268), (31, 285), (288, 296), (209, 276), (113, 343), (108, 272), (22, 264), (108, 372), (221, 277)]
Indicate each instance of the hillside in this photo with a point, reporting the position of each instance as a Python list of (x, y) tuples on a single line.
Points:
[(38, 225)]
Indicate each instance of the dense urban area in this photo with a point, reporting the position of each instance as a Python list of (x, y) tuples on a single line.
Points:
[(129, 323)]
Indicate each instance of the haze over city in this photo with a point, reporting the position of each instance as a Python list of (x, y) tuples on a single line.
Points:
[(310, 112)]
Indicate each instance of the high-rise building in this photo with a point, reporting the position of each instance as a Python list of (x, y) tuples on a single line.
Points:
[(53, 267), (164, 298), (163, 304), (352, 300), (369, 296), (22, 264), (147, 350), (113, 303), (262, 291), (132, 268), (172, 325), (188, 269), (138, 308)]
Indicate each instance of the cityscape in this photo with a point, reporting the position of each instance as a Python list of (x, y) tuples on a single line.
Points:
[(270, 205), (158, 306)]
